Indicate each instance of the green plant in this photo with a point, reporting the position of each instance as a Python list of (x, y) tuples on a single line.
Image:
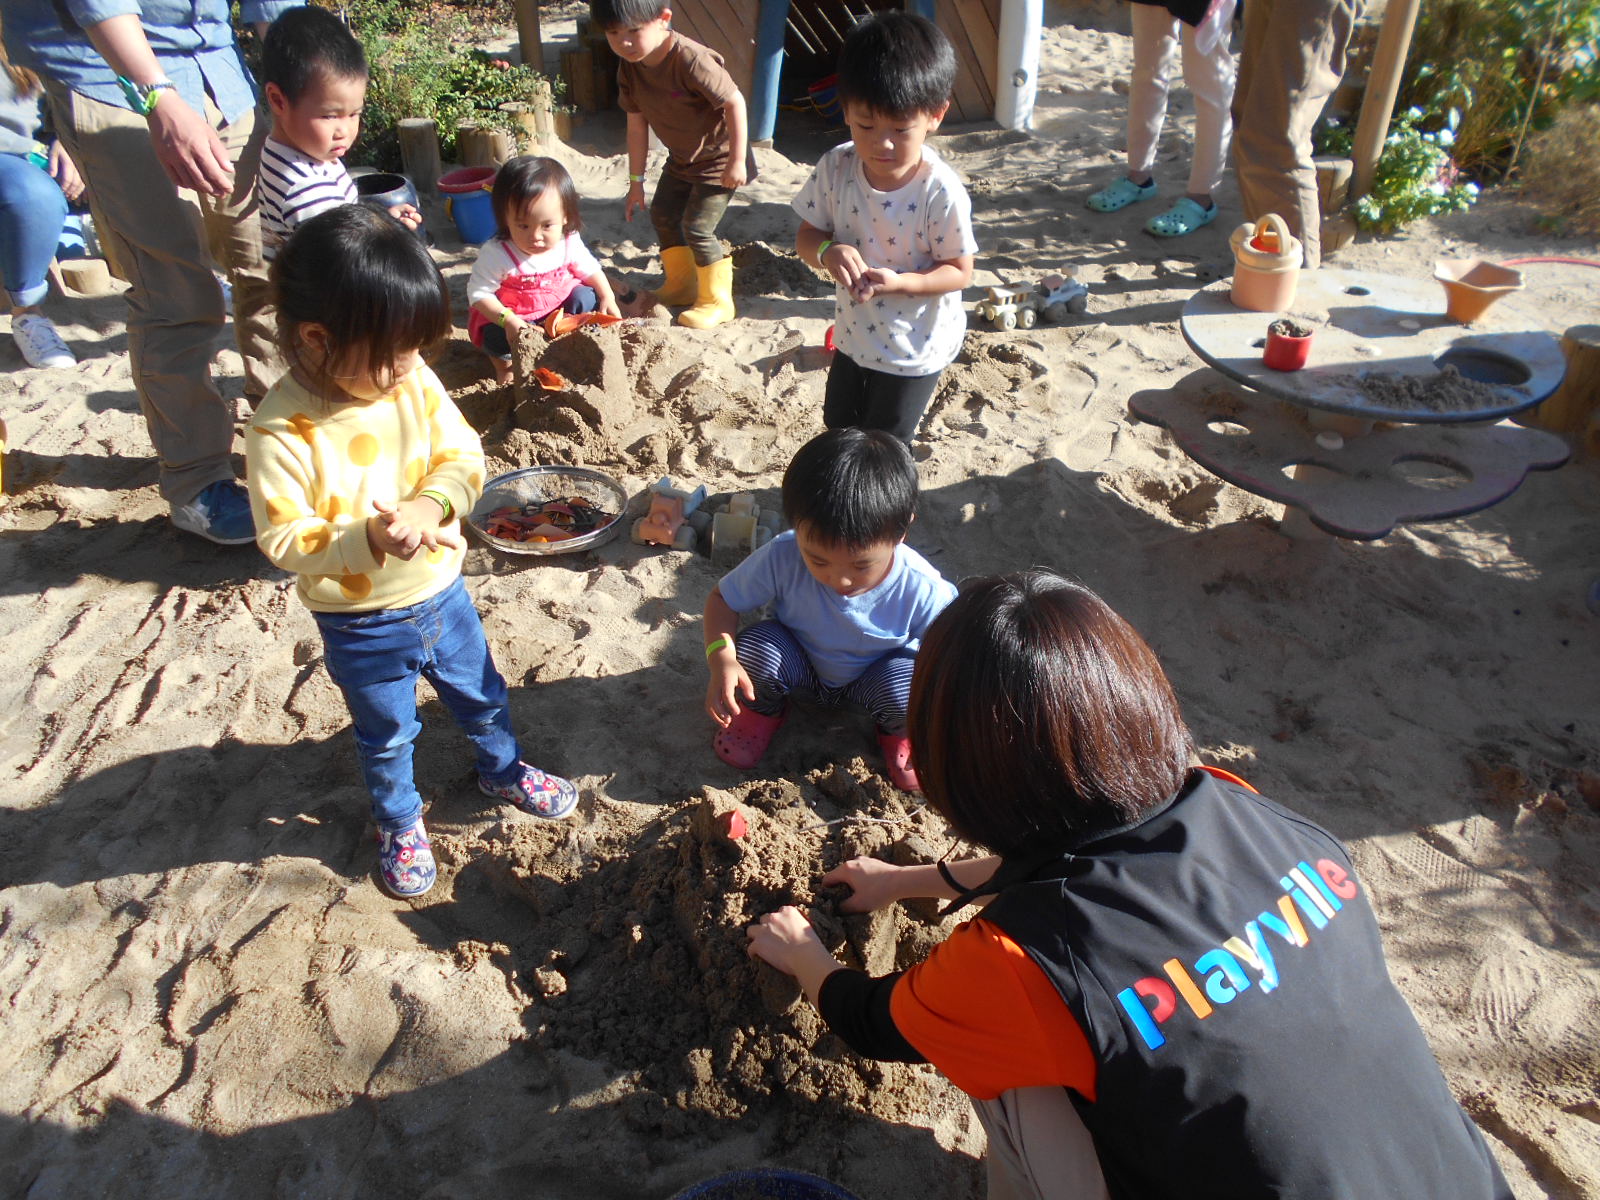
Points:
[(419, 70), (1509, 66), (1415, 177)]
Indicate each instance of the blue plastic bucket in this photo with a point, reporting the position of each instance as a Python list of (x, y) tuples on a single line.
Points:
[(466, 193), (384, 190), (770, 1183)]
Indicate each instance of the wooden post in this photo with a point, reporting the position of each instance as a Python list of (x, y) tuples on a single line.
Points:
[(1333, 194), (1572, 405), (419, 151), (1383, 85), (528, 39), (477, 146)]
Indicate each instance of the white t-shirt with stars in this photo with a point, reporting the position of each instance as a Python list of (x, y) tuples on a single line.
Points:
[(927, 221)]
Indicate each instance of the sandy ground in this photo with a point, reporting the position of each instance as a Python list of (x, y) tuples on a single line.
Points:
[(205, 991)]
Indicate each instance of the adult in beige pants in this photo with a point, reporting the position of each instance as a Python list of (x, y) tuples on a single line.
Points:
[(174, 193), (1291, 61)]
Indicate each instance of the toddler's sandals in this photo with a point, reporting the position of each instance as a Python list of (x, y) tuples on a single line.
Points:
[(743, 741), (1185, 216), (896, 749), (1121, 194)]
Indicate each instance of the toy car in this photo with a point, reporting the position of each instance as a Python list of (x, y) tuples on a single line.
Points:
[(1054, 297), (1007, 307), (674, 518), (740, 529)]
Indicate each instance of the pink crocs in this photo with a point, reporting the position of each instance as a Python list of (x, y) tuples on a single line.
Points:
[(743, 741), (896, 749)]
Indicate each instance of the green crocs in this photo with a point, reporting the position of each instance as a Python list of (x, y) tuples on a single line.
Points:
[(1121, 194), (1185, 216)]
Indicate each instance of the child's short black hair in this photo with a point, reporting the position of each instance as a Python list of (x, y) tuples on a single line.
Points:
[(523, 180), (852, 488), (367, 280), (897, 64), (305, 43), (608, 14)]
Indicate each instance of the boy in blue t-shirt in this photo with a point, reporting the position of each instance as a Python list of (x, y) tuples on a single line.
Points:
[(852, 601)]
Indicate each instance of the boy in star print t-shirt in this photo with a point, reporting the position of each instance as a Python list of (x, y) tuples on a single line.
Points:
[(892, 224)]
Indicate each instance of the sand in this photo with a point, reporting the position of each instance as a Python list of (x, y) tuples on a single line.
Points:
[(205, 991)]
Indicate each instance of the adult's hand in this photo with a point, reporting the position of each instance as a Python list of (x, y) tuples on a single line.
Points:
[(190, 151)]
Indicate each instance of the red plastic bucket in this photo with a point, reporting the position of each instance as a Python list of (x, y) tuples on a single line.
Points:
[(466, 192)]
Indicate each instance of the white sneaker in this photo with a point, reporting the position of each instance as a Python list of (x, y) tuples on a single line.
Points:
[(39, 342)]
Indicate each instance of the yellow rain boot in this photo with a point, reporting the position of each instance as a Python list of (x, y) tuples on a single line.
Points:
[(715, 303), (677, 288)]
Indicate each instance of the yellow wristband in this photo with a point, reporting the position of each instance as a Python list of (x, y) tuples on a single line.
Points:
[(718, 645), (501, 319), (441, 499)]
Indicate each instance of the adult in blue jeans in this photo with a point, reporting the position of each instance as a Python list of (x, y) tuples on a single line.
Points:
[(36, 181)]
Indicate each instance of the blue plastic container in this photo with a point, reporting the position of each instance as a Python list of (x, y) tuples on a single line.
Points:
[(384, 190), (772, 1183), (466, 193)]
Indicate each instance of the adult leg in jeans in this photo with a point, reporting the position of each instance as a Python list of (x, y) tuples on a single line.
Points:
[(1038, 1147), (462, 671), (32, 208), (174, 304), (1292, 59)]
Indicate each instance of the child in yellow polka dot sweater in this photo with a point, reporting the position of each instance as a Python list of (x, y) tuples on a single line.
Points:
[(360, 466)]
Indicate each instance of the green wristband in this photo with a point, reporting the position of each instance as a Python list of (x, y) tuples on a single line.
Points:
[(632, 178), (442, 500), (823, 249), (718, 645)]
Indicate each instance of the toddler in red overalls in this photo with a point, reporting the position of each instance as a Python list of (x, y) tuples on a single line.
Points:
[(535, 263)]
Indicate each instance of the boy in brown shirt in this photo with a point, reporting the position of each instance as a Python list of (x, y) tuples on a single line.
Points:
[(679, 89)]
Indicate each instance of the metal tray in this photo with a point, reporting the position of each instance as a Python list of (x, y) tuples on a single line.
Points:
[(538, 484)]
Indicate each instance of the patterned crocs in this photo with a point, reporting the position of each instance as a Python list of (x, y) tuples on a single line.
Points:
[(535, 793), (405, 861), (1121, 194), (1185, 216)]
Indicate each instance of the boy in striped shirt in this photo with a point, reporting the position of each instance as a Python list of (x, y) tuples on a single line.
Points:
[(316, 83)]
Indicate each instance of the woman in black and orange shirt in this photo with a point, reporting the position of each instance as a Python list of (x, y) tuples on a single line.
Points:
[(1176, 988)]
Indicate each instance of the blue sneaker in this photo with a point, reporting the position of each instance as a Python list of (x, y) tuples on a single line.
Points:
[(220, 514), (535, 793), (405, 860)]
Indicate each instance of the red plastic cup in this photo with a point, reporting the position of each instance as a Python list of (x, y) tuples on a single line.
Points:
[(1286, 353)]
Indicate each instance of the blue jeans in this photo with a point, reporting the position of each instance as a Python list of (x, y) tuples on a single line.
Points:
[(376, 657), (32, 209)]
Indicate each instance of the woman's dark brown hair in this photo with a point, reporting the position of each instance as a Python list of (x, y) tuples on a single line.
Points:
[(1038, 715)]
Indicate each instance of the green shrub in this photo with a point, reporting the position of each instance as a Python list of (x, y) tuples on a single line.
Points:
[(1415, 177), (1507, 66), (419, 70)]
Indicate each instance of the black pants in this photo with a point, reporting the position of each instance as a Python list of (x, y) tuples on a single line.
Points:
[(861, 398), (582, 299), (687, 214)]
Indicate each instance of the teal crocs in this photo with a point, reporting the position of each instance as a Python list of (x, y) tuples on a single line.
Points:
[(1185, 216), (1121, 194)]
